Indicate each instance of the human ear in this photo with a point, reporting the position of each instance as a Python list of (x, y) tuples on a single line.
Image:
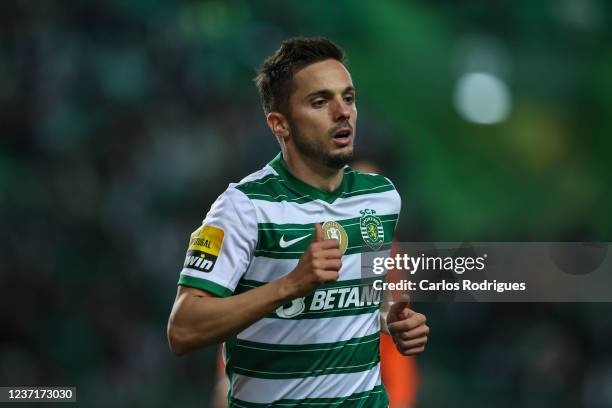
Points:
[(278, 124)]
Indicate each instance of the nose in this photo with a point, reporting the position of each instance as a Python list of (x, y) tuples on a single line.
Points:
[(342, 110)]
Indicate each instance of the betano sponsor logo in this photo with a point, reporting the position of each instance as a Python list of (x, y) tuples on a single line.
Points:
[(330, 300)]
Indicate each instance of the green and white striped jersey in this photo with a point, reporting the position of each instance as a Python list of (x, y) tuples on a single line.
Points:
[(317, 351)]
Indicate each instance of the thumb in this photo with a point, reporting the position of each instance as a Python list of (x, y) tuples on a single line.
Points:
[(401, 308), (318, 237)]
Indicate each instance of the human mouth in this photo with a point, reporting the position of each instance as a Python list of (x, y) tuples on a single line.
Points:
[(342, 136)]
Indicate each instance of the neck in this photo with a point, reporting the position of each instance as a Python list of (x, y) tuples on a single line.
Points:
[(313, 173)]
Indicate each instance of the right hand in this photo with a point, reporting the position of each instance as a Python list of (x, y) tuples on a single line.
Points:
[(320, 264)]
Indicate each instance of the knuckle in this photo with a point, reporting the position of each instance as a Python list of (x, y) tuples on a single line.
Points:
[(411, 324), (319, 277)]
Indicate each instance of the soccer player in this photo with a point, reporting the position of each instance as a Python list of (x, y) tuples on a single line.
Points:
[(275, 269)]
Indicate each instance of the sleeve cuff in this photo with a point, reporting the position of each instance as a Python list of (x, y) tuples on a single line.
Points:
[(204, 285)]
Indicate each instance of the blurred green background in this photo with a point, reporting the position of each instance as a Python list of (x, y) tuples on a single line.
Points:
[(121, 122)]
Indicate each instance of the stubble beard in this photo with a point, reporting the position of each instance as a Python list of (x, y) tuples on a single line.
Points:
[(315, 150)]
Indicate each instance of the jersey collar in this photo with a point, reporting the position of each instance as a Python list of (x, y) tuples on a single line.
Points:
[(304, 189)]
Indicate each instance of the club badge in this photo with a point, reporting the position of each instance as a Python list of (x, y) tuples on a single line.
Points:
[(333, 230), (372, 230)]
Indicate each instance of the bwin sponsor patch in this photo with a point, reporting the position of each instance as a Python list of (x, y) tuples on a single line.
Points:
[(204, 248)]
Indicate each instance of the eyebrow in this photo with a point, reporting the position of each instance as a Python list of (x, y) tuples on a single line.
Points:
[(325, 92)]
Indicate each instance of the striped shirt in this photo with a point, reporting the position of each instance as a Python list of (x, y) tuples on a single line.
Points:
[(321, 350)]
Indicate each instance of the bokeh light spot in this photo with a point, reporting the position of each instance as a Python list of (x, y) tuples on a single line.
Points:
[(482, 98)]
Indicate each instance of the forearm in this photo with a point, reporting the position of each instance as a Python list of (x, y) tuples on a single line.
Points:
[(385, 304), (383, 323), (199, 319)]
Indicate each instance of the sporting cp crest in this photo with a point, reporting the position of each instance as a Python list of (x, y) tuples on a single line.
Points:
[(372, 230)]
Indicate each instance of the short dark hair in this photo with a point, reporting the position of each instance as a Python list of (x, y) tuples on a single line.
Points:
[(274, 79)]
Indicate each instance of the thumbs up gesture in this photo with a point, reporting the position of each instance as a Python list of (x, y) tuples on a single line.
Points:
[(407, 327), (320, 264)]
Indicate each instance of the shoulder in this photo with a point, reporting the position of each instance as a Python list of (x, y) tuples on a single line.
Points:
[(237, 196), (264, 184), (367, 182)]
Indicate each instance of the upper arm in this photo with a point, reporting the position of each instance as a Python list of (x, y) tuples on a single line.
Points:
[(184, 291), (220, 250), (183, 294)]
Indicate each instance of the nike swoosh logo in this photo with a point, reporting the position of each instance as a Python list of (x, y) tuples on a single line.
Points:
[(286, 244)]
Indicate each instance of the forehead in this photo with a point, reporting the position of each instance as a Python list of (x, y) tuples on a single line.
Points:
[(328, 75)]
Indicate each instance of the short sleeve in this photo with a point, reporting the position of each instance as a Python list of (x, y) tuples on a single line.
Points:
[(398, 203), (220, 250)]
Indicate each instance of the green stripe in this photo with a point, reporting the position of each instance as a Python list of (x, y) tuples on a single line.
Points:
[(358, 249), (268, 244), (304, 189), (205, 285), (246, 284), (227, 351), (374, 398), (284, 186), (286, 350), (272, 188), (367, 190), (368, 299), (260, 361), (310, 226)]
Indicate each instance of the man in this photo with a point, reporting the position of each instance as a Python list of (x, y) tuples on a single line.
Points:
[(262, 274)]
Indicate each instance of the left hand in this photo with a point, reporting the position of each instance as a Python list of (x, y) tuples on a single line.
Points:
[(407, 328)]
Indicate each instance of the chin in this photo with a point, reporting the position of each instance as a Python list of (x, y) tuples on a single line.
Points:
[(338, 161)]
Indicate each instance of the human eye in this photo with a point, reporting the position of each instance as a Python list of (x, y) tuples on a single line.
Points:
[(318, 103), (349, 98)]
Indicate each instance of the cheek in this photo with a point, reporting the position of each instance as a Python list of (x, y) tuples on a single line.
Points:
[(315, 120)]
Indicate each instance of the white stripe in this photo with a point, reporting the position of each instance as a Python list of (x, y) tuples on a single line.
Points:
[(311, 331), (323, 348), (264, 269), (265, 181), (301, 372), (284, 212), (261, 391), (259, 174), (276, 197)]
